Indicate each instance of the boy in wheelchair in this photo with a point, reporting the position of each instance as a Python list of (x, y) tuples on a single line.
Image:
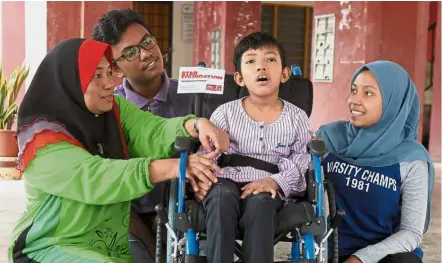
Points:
[(245, 201)]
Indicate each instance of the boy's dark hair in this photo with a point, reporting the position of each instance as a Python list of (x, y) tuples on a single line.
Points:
[(254, 41), (111, 25)]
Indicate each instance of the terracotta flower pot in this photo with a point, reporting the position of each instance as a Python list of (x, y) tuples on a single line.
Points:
[(8, 156), (8, 169), (8, 144)]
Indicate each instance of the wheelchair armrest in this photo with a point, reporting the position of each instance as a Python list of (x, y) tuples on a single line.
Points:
[(183, 144), (196, 146), (317, 147)]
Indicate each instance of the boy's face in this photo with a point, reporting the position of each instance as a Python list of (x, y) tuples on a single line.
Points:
[(261, 71)]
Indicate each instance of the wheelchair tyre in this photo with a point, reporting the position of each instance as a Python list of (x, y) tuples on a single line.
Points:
[(172, 209)]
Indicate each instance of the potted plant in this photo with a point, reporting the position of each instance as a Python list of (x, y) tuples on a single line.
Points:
[(9, 90)]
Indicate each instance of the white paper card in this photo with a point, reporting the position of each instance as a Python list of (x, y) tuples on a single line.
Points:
[(201, 80)]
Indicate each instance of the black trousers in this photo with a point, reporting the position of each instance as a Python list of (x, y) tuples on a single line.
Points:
[(407, 257), (228, 217)]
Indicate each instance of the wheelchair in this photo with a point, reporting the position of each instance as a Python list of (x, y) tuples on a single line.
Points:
[(306, 223)]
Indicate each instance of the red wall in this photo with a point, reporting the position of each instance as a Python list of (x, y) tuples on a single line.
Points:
[(435, 126), (63, 21), (379, 30), (405, 41), (234, 19), (243, 18), (432, 19), (94, 10), (208, 16), (13, 38), (330, 99)]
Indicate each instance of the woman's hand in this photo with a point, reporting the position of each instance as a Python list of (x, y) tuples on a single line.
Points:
[(208, 133), (200, 172)]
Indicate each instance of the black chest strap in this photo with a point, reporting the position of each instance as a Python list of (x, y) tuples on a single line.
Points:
[(236, 160)]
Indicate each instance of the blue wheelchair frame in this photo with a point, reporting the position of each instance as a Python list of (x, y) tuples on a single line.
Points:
[(308, 238), (183, 246)]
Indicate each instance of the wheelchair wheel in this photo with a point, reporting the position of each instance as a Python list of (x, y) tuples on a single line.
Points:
[(172, 208)]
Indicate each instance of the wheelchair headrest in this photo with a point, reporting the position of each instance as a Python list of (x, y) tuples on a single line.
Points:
[(296, 90)]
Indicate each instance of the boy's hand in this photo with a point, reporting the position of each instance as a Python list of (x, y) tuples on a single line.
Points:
[(267, 185)]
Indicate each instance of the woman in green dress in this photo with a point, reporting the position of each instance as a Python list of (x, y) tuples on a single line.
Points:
[(86, 154)]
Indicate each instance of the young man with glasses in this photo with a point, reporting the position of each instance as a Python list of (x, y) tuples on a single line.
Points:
[(138, 60)]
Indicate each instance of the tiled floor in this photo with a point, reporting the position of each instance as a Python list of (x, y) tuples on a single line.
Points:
[(12, 205)]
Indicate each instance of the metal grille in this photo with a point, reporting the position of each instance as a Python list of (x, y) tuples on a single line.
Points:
[(292, 26), (267, 18), (158, 16)]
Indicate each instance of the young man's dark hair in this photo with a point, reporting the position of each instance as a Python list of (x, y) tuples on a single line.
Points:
[(254, 41), (109, 27)]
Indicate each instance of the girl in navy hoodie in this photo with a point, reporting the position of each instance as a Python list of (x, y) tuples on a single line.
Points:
[(383, 177)]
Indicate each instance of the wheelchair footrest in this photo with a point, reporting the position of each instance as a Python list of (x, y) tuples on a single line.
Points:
[(195, 259), (317, 227), (181, 222)]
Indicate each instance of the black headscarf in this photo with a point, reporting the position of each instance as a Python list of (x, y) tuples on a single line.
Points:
[(56, 94)]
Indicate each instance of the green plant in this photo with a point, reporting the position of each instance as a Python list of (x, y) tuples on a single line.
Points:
[(8, 94)]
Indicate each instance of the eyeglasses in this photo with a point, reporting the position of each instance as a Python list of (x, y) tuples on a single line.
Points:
[(133, 52)]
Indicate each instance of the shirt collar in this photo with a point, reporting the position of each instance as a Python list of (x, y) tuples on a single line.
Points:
[(141, 101), (162, 93)]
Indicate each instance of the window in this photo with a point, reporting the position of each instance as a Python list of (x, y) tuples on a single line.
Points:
[(158, 16), (292, 26)]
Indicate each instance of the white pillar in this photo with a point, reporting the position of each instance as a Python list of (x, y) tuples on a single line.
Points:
[(35, 35)]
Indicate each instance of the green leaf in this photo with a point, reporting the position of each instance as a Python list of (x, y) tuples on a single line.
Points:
[(9, 111), (9, 89)]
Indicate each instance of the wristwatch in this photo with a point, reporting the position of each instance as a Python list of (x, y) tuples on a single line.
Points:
[(195, 126)]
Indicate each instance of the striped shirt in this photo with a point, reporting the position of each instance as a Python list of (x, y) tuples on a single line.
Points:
[(283, 143)]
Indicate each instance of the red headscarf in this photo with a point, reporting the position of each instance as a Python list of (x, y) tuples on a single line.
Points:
[(53, 109)]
